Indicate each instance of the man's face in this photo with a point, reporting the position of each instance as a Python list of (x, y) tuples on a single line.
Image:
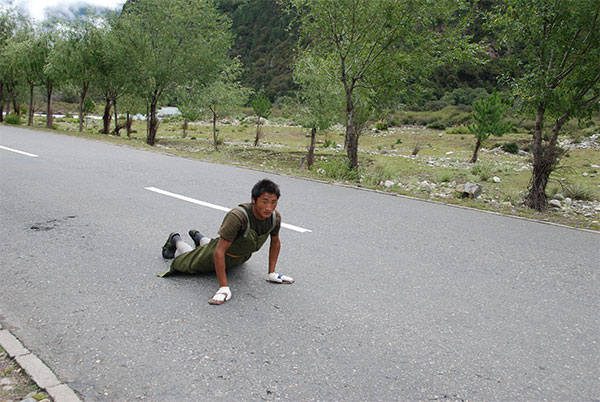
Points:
[(264, 205)]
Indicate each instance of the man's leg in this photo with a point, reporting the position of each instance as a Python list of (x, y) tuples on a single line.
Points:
[(198, 238), (181, 246)]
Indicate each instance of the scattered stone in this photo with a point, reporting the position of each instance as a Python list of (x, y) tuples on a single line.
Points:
[(469, 189), (568, 201), (425, 185), (558, 196), (496, 179), (585, 174), (555, 204), (449, 152), (388, 183)]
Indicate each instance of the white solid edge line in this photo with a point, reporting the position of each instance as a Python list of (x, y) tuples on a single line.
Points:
[(19, 152), (213, 206)]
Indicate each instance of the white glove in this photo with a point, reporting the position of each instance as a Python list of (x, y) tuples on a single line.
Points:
[(278, 278), (222, 295)]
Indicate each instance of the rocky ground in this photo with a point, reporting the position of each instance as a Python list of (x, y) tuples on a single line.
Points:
[(15, 385)]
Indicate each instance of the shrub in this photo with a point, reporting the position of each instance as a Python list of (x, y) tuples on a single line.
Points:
[(458, 130), (336, 168), (445, 177), (398, 141), (378, 173), (13, 119), (511, 148), (437, 125), (577, 191), (435, 105), (484, 171), (381, 125)]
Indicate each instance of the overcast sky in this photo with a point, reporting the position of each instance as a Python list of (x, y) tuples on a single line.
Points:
[(35, 8)]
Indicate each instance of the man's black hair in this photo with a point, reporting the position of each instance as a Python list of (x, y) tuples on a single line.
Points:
[(265, 186)]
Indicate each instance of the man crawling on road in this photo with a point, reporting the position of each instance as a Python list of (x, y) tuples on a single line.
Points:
[(244, 230)]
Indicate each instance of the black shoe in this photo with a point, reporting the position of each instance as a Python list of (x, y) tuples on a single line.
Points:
[(196, 236), (168, 250)]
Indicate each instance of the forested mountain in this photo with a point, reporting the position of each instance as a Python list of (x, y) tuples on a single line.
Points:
[(263, 43)]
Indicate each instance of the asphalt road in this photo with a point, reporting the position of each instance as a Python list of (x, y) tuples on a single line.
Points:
[(395, 299)]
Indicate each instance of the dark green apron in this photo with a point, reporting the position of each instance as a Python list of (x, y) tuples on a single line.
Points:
[(201, 259)]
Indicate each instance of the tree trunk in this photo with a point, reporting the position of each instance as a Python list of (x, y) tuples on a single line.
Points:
[(106, 116), (84, 91), (8, 96), (215, 139), (117, 130), (49, 117), (536, 198), (310, 159), (185, 127), (128, 123), (477, 145), (351, 140), (545, 161), (153, 121), (30, 114), (257, 132), (16, 106), (1, 101)]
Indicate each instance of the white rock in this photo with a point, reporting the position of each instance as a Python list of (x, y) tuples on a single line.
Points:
[(449, 153), (555, 203), (496, 179), (388, 183), (585, 174), (568, 201), (558, 196)]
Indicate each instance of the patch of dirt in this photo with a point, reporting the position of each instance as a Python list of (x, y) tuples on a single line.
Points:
[(15, 384)]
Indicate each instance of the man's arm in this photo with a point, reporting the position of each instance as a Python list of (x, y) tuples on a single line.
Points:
[(219, 259), (224, 293), (274, 253)]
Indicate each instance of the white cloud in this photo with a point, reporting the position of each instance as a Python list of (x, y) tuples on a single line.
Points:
[(35, 8)]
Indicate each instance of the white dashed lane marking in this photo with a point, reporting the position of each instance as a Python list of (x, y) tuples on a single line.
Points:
[(18, 152), (213, 206)]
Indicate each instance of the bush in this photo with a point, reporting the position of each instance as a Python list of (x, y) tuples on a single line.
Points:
[(458, 130), (13, 119), (445, 177), (381, 125), (380, 172), (336, 168), (484, 171), (577, 191), (511, 148), (437, 125)]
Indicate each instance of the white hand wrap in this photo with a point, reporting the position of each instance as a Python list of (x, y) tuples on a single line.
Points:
[(278, 278), (223, 294)]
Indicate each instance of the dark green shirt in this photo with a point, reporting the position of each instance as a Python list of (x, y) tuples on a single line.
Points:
[(233, 223)]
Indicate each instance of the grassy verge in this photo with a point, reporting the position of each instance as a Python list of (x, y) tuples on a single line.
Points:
[(387, 162)]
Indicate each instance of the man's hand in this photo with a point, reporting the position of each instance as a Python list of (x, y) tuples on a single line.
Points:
[(278, 278), (222, 295)]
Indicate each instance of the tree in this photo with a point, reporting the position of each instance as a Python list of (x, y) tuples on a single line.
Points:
[(488, 116), (53, 73), (81, 52), (26, 56), (556, 45), (377, 49), (168, 44), (217, 98), (262, 107), (8, 23), (318, 103)]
